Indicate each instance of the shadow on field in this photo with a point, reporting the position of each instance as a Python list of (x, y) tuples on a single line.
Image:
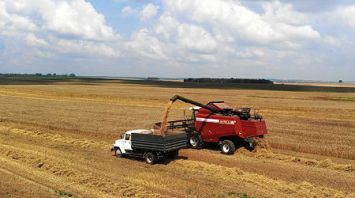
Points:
[(215, 146), (172, 84), (165, 161), (252, 86)]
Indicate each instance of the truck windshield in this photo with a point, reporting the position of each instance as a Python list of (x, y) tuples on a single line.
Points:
[(127, 136)]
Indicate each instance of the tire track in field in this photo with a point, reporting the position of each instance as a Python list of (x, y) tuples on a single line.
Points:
[(264, 186), (84, 181)]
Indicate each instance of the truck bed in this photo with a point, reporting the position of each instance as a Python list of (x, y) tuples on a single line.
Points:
[(153, 142)]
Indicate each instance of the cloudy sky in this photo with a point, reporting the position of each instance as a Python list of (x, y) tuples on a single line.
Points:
[(302, 39)]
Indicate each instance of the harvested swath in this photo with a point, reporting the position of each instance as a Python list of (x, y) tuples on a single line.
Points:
[(326, 163), (58, 171), (84, 143), (262, 153), (261, 143)]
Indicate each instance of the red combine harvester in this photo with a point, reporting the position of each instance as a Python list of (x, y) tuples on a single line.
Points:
[(217, 122)]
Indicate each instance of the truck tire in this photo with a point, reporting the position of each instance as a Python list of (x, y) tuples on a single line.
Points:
[(150, 158), (227, 147), (196, 141), (118, 152)]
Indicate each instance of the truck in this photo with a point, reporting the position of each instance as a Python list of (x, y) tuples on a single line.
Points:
[(218, 122), (144, 144)]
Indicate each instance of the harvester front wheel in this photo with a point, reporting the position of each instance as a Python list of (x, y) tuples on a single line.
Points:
[(195, 141), (150, 158), (227, 147)]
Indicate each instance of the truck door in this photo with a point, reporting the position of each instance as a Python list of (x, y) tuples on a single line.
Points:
[(127, 142)]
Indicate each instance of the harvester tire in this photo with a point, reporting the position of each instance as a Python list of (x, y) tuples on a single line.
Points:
[(150, 158), (227, 147), (196, 141)]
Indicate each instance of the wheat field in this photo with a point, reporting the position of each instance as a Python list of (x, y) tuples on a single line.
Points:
[(55, 140)]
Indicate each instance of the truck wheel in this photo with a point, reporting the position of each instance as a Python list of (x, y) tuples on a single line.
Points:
[(227, 147), (118, 152), (150, 158), (195, 141)]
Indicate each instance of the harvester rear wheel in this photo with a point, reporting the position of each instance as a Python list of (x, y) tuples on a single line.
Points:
[(150, 158), (227, 147)]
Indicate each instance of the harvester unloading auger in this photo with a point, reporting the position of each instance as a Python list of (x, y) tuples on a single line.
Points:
[(217, 122)]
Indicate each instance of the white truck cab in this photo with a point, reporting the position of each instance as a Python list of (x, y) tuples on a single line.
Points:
[(124, 144)]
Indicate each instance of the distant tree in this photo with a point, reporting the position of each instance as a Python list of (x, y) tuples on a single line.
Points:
[(54, 74), (340, 81), (72, 75), (38, 74), (49, 74)]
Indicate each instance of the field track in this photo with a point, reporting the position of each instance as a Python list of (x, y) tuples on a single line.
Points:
[(55, 141)]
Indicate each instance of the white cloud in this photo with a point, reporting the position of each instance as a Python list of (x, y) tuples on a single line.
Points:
[(78, 17), (52, 28), (196, 38), (289, 23), (146, 45), (333, 41), (250, 53), (218, 30), (69, 17), (128, 10), (33, 40), (283, 13), (86, 47), (14, 23), (231, 18), (347, 14), (149, 11), (190, 36)]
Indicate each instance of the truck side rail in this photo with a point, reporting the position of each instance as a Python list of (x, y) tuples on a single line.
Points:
[(158, 143)]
